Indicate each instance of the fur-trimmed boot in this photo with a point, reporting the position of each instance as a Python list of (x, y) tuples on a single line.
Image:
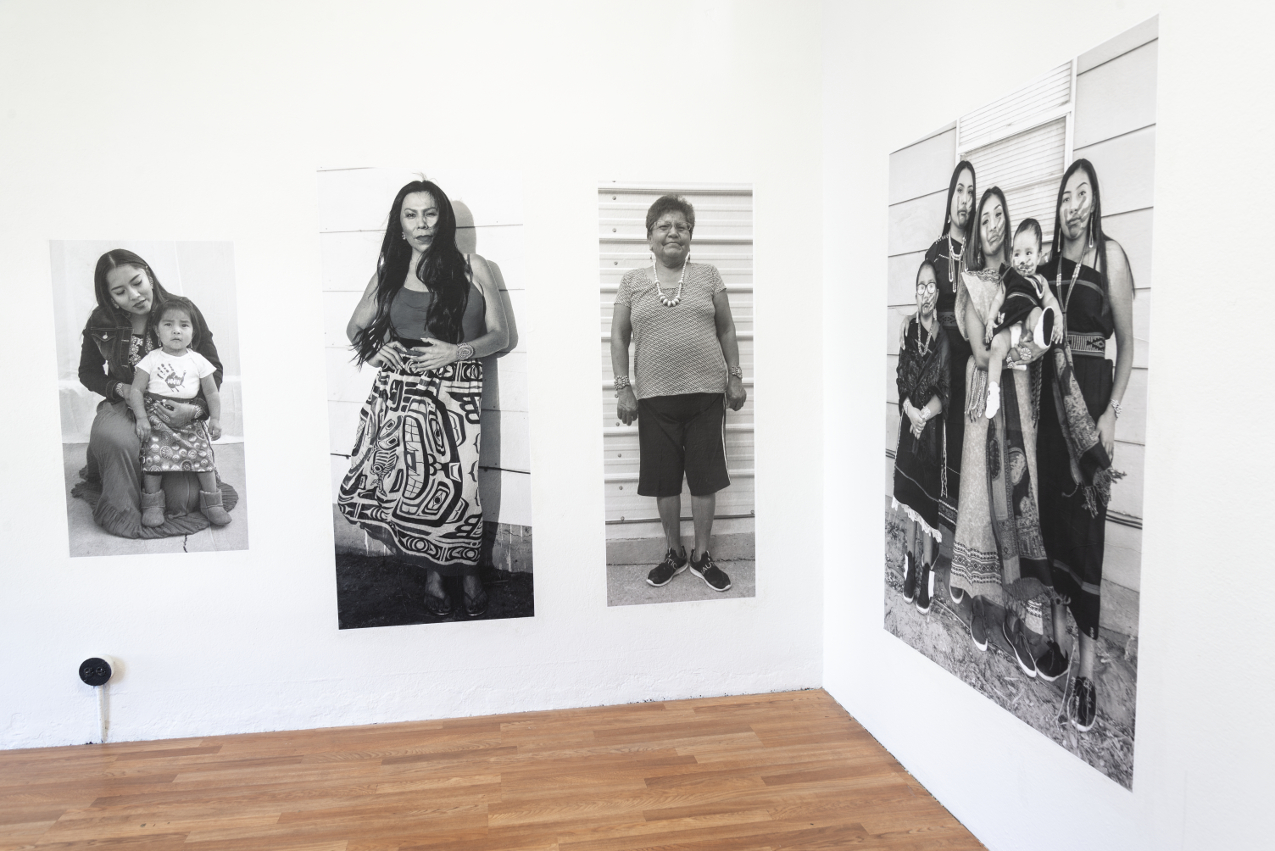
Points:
[(153, 508), (210, 505)]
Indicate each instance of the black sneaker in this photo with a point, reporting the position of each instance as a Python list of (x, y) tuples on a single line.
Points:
[(1018, 644), (978, 623), (1086, 705), (1053, 663), (909, 577), (925, 589), (710, 573), (663, 573)]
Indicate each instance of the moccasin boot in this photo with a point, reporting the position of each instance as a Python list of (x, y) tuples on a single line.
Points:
[(153, 508), (210, 505)]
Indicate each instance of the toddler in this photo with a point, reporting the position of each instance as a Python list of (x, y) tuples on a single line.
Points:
[(176, 372), (1029, 307)]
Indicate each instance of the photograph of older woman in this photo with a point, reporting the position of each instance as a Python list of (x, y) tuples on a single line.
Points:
[(675, 315), (922, 377), (428, 315), (110, 512)]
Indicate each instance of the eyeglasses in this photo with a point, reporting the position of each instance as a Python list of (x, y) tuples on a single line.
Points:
[(927, 289), (677, 227)]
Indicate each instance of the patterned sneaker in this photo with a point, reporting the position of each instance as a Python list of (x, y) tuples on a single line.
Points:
[(1086, 705), (909, 577), (925, 589), (978, 624), (710, 573), (1018, 643), (1053, 663), (663, 573)]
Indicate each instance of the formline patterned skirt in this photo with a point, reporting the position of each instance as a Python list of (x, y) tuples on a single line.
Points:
[(413, 478)]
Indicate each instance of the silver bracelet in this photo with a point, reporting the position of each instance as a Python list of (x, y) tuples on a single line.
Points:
[(464, 351), (1115, 406), (737, 371)]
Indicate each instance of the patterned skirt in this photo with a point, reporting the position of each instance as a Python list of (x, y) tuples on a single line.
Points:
[(413, 479), (181, 449)]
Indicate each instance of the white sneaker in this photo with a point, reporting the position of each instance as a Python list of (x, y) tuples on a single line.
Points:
[(993, 399)]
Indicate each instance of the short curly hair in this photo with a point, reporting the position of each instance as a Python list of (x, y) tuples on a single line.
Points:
[(669, 204)]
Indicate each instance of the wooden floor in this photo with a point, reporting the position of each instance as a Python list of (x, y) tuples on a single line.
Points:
[(773, 771)]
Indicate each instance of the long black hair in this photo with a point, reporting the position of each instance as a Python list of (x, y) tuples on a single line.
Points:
[(975, 260), (1093, 228), (443, 270), (951, 193), (123, 257)]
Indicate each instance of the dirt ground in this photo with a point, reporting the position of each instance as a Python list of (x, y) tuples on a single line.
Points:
[(379, 591), (943, 637)]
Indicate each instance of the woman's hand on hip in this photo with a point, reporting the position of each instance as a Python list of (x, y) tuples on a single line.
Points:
[(626, 406), (1107, 433), (393, 354), (735, 393)]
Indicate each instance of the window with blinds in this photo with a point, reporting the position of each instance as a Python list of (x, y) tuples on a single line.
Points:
[(1022, 143)]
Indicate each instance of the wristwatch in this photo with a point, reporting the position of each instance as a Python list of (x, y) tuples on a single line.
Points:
[(736, 371)]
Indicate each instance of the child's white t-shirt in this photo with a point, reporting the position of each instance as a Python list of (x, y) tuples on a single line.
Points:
[(177, 377)]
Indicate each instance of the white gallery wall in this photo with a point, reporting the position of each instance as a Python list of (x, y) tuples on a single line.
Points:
[(185, 122), (895, 73)]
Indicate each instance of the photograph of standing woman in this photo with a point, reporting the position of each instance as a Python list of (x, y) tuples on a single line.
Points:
[(1032, 596), (679, 397), (425, 325)]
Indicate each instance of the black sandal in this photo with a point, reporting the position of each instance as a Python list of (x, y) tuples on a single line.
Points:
[(475, 607), (439, 607)]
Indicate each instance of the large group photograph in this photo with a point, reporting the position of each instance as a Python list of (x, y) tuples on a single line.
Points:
[(676, 298), (423, 280), (150, 396), (1017, 336)]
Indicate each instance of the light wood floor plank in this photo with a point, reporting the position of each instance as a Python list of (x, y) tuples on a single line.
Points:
[(773, 772)]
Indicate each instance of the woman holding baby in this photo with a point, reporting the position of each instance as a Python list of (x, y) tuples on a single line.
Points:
[(998, 556)]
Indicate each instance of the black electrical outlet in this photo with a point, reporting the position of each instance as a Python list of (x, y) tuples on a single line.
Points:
[(95, 672)]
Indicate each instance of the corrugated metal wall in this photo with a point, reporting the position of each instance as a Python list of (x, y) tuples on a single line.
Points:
[(724, 238), (353, 205), (1021, 142)]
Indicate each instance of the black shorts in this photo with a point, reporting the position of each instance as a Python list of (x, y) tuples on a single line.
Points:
[(682, 435)]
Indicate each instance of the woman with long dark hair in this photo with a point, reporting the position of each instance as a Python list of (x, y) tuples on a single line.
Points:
[(1080, 404), (427, 316), (944, 256), (998, 557), (117, 336)]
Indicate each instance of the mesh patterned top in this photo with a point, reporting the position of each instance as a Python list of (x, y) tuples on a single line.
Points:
[(675, 349)]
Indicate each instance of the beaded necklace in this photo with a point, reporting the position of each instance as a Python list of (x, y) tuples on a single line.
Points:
[(665, 300)]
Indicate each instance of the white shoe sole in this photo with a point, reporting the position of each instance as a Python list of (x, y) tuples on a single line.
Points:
[(1031, 672)]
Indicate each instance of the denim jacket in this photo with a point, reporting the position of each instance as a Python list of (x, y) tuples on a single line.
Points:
[(104, 351)]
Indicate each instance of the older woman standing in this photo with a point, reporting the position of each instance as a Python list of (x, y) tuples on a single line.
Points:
[(1080, 404), (998, 556), (686, 372), (427, 315)]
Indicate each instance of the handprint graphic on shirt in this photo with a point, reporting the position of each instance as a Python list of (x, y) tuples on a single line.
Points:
[(170, 376)]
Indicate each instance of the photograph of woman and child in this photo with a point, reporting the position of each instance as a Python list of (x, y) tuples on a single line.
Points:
[(1006, 459), (146, 406)]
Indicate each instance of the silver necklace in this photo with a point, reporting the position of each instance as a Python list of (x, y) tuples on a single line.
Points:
[(665, 300)]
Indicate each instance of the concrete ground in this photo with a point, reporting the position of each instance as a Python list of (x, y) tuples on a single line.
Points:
[(86, 539), (626, 585)]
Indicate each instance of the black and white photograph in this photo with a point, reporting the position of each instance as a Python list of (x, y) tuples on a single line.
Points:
[(677, 391), (1018, 336), (150, 396), (427, 395)]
